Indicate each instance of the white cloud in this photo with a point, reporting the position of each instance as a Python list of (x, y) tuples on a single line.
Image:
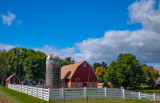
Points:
[(143, 43), (6, 46), (144, 12), (157, 67), (63, 53), (8, 19)]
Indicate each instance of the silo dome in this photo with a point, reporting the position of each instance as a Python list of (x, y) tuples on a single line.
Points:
[(52, 56)]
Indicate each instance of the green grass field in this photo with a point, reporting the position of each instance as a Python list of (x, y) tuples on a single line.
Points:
[(145, 88), (17, 97)]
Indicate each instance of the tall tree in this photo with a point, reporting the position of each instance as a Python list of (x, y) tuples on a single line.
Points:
[(66, 61), (34, 67), (96, 64), (18, 62), (125, 72), (4, 70), (150, 74), (100, 71), (16, 56)]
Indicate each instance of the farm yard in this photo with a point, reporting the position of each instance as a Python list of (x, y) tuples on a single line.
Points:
[(17, 97)]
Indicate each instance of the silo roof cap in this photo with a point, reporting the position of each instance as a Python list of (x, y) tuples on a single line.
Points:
[(52, 56)]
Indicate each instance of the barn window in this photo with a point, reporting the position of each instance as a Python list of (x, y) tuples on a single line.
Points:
[(84, 64), (90, 85), (77, 79)]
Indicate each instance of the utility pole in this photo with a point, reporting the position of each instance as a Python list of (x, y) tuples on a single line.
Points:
[(18, 52)]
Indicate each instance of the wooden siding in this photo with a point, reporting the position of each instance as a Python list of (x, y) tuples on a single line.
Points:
[(83, 73)]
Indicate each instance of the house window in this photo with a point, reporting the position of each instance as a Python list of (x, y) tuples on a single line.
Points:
[(77, 79), (63, 84), (79, 85), (90, 85), (84, 64)]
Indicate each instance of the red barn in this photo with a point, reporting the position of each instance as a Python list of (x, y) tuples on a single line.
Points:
[(12, 80), (78, 75)]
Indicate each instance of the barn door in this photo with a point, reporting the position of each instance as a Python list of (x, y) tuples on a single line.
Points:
[(84, 84)]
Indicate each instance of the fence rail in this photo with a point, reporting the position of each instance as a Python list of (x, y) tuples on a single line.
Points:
[(70, 93)]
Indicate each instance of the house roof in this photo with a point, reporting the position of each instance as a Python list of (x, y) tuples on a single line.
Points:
[(68, 70), (9, 77), (100, 84)]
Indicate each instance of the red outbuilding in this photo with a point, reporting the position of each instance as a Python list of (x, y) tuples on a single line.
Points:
[(78, 75), (12, 80)]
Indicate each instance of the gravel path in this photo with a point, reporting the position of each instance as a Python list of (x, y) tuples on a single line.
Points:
[(4, 100)]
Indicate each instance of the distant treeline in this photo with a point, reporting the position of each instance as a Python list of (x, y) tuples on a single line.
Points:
[(126, 71)]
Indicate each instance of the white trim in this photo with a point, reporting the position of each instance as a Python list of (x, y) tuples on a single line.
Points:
[(79, 85), (84, 65), (94, 73)]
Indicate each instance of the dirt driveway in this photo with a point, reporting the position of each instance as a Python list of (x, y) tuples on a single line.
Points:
[(4, 100)]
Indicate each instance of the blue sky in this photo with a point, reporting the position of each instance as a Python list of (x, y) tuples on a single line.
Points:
[(62, 23), (84, 30)]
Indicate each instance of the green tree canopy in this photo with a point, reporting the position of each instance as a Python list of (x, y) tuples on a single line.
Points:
[(4, 70), (19, 58), (34, 67), (125, 72), (66, 61), (96, 64), (150, 74)]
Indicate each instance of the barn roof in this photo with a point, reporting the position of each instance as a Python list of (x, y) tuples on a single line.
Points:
[(9, 77), (68, 70)]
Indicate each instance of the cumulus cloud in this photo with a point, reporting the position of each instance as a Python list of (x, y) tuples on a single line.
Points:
[(157, 67), (7, 19), (145, 12), (6, 46), (63, 53), (143, 43)]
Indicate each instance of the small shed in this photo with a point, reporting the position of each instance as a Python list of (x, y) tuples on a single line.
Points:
[(101, 85), (12, 80)]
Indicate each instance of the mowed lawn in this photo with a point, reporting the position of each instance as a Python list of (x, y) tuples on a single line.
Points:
[(17, 97)]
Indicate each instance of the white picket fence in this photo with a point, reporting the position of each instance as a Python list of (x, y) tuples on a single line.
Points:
[(33, 91), (70, 93)]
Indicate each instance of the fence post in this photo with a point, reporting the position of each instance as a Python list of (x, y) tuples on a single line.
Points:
[(27, 89), (50, 94), (154, 96), (85, 92), (62, 92), (105, 91), (31, 91), (123, 90), (23, 89), (36, 92), (42, 93), (139, 95)]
